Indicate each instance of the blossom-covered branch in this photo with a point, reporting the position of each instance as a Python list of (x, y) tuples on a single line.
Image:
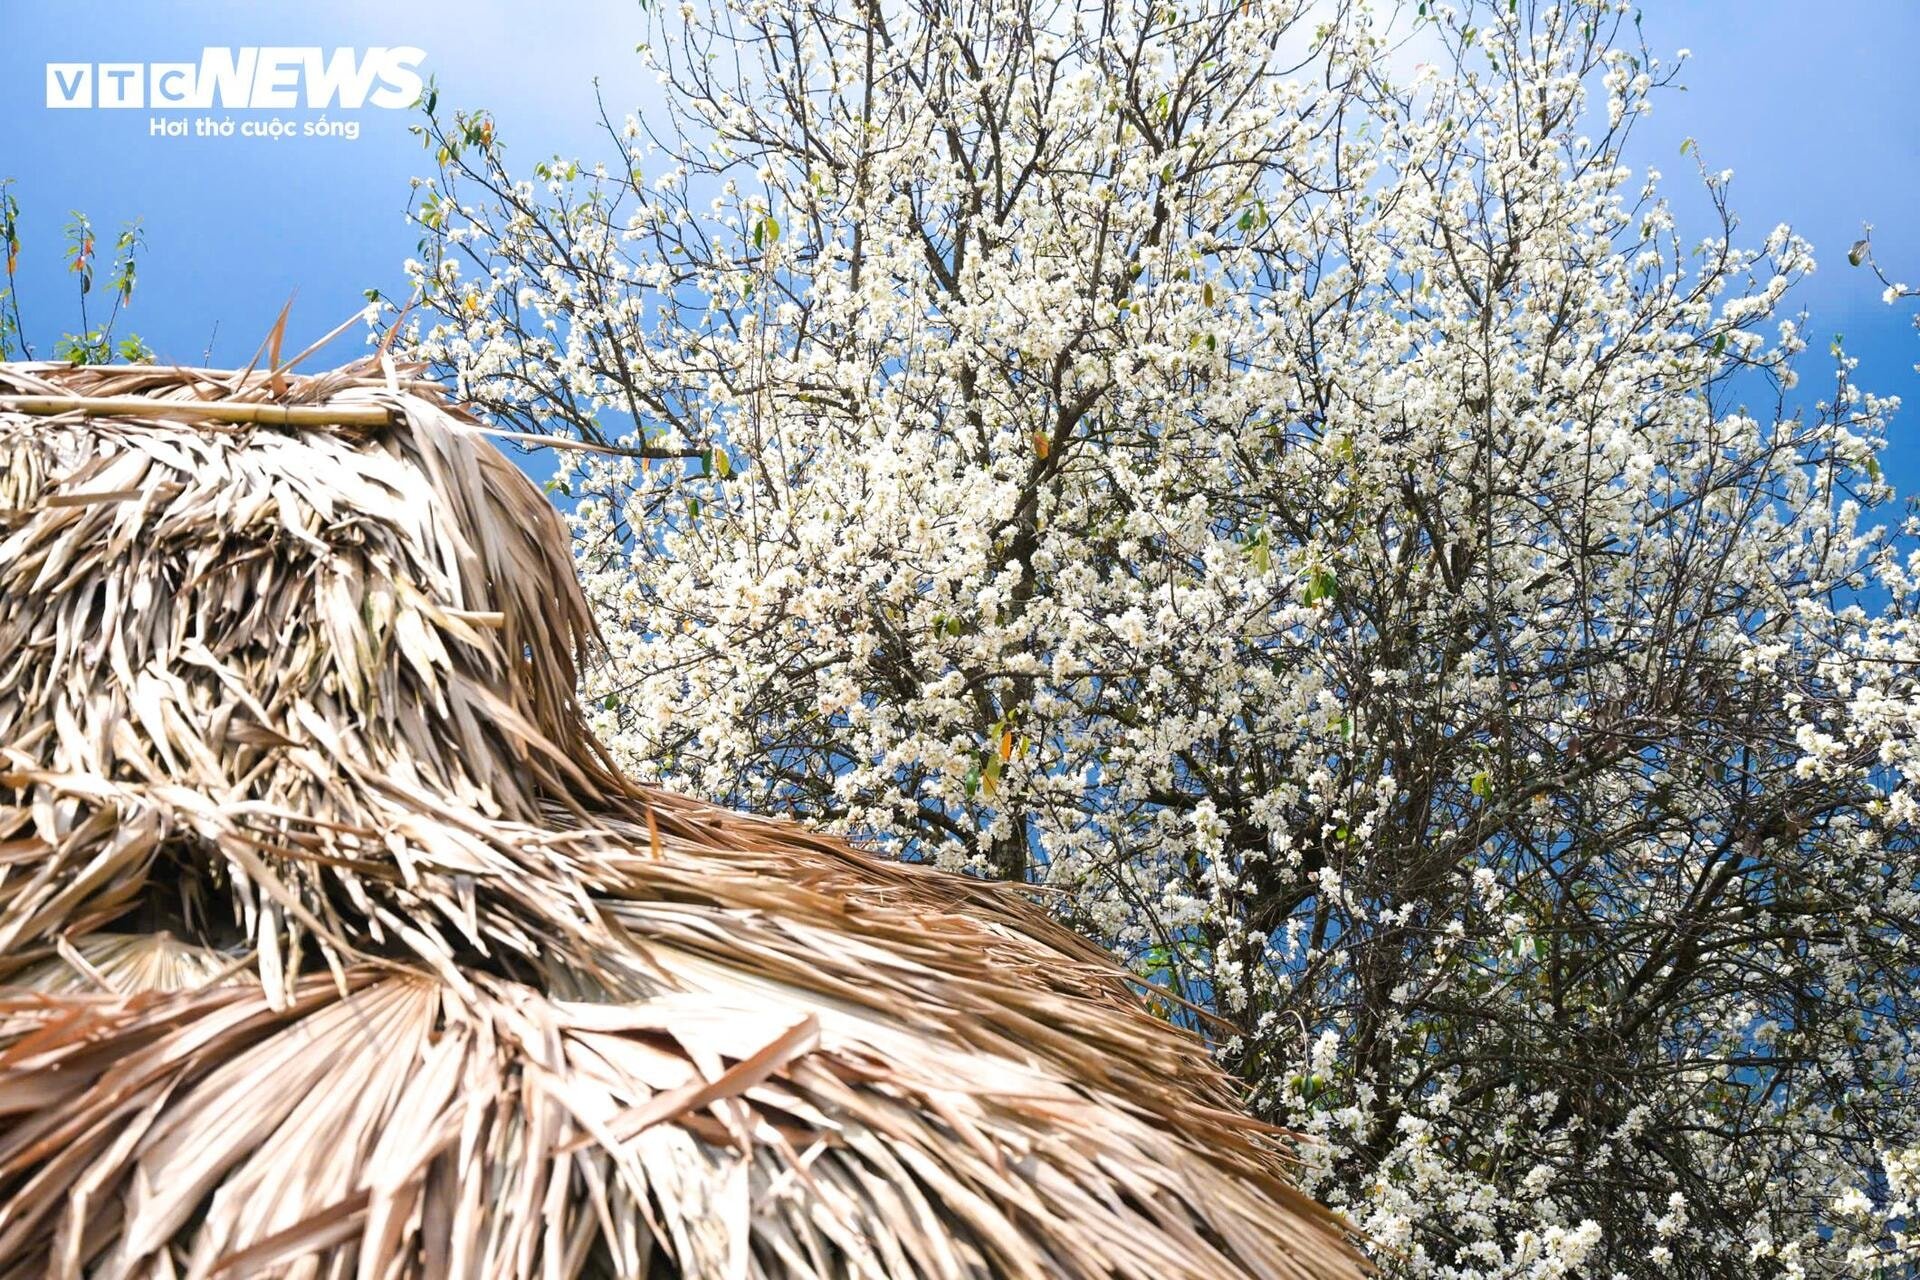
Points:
[(1277, 476)]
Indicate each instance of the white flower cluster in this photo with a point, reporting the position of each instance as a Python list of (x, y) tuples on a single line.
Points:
[(1315, 514)]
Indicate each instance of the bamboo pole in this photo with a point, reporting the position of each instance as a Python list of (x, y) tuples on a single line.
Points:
[(273, 415), (276, 415)]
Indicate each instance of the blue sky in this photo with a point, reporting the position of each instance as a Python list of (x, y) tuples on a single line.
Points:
[(1810, 105), (235, 225)]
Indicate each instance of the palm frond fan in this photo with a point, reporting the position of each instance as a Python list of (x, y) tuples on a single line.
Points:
[(331, 944)]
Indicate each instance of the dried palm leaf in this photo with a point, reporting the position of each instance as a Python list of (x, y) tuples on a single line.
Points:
[(331, 944)]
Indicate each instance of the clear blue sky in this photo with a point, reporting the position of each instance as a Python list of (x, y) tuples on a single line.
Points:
[(235, 225), (1810, 105)]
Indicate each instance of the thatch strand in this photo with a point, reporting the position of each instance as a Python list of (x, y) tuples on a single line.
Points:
[(331, 943)]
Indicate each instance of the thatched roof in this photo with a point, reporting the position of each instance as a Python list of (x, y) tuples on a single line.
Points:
[(332, 945)]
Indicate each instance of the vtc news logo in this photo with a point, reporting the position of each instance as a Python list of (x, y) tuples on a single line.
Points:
[(263, 78)]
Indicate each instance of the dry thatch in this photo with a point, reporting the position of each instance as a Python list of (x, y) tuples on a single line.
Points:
[(331, 944)]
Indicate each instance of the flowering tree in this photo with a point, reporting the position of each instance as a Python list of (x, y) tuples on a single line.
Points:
[(1272, 476)]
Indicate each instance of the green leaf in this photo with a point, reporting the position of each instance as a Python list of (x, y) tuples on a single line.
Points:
[(1260, 552), (1321, 585), (1482, 784)]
